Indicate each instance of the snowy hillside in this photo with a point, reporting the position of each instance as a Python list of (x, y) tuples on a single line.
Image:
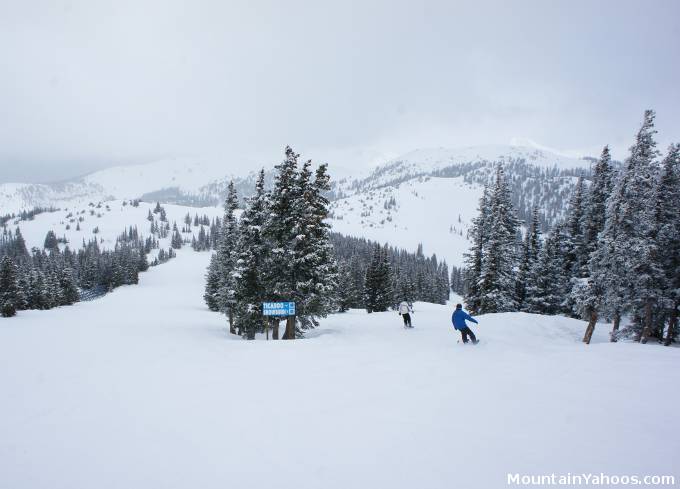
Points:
[(120, 182), (428, 161), (144, 388), (15, 197), (430, 196), (433, 211), (129, 182), (109, 219)]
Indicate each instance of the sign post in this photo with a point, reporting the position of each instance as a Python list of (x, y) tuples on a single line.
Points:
[(274, 311)]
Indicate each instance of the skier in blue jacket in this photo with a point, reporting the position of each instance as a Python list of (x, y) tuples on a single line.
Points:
[(458, 319)]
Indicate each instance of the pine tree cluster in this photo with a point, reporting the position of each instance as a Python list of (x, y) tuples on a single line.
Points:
[(48, 278), (615, 254), (279, 250), (24, 215), (490, 263), (375, 277), (458, 280)]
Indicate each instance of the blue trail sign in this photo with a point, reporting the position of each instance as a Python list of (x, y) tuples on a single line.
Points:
[(278, 308)]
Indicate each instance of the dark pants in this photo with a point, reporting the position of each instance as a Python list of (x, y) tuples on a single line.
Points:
[(407, 319), (467, 331)]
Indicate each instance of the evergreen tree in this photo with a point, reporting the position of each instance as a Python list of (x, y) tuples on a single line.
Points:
[(226, 256), (358, 276), (23, 282), (478, 235), (457, 280), (18, 249), (279, 232), (667, 216), (51, 242), (595, 212), (530, 252), (250, 260), (634, 217), (574, 231), (588, 287), (314, 264), (546, 286), (69, 287), (346, 292), (497, 291), (404, 286), (573, 244), (212, 284), (10, 296), (443, 284), (143, 262), (378, 283), (176, 240), (37, 295), (623, 265)]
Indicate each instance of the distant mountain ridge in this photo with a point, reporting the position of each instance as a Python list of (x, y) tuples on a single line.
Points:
[(190, 182), (436, 161), (426, 196)]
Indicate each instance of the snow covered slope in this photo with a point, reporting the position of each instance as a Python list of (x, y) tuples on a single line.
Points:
[(431, 160), (109, 218), (15, 197), (120, 182), (429, 210), (144, 388), (129, 182), (430, 196)]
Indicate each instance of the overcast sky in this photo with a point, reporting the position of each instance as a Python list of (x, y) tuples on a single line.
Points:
[(90, 84)]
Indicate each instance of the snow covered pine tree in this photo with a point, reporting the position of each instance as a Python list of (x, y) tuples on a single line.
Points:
[(498, 254), (9, 288)]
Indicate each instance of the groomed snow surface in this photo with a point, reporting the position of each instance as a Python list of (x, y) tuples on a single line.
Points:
[(145, 389)]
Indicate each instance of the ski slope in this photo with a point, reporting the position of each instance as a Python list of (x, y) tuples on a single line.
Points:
[(144, 388)]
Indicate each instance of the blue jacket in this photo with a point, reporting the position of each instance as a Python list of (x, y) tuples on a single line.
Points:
[(458, 319)]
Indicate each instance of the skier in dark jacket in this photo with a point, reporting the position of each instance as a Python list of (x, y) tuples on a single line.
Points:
[(458, 319)]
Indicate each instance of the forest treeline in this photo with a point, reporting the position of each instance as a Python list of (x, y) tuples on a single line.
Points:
[(49, 277), (615, 255)]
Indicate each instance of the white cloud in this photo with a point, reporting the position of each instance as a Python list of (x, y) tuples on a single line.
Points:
[(87, 84)]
